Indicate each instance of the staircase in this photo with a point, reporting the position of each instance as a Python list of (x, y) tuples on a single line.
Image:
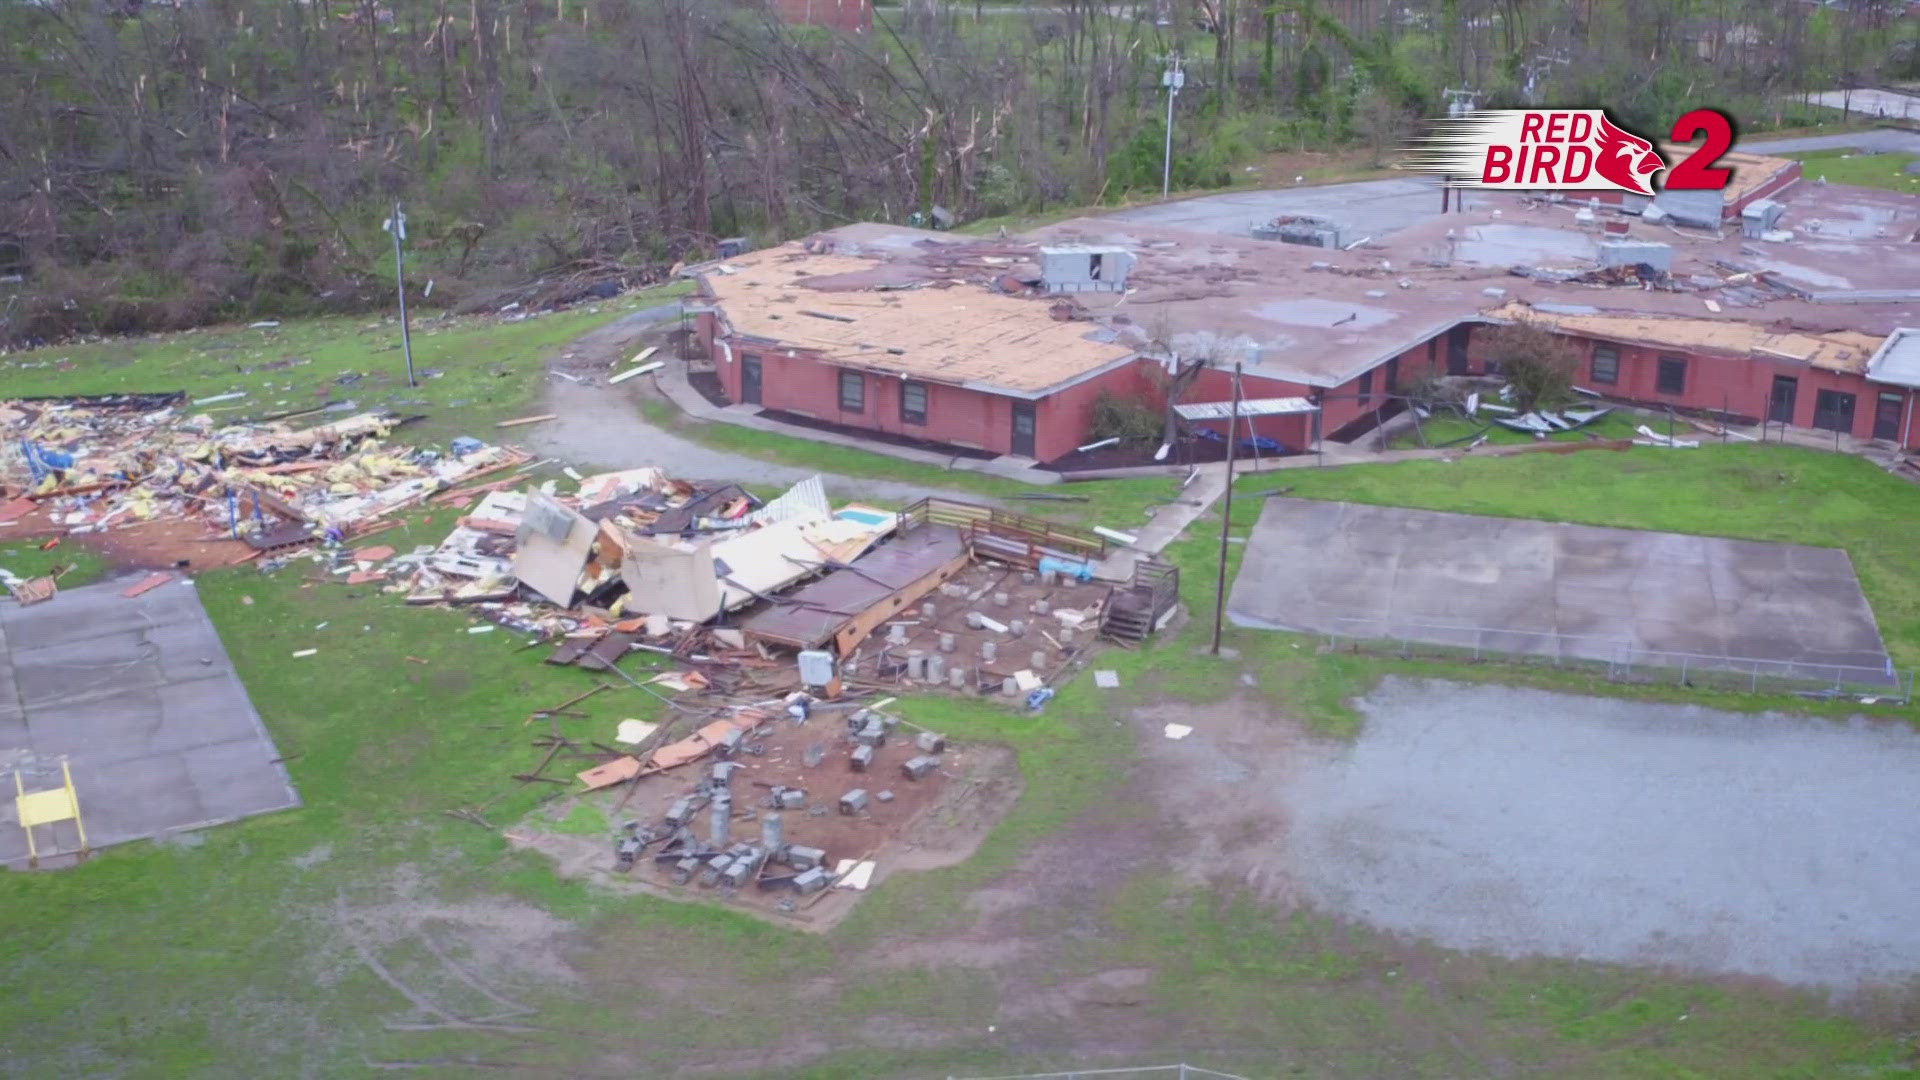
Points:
[(1134, 611)]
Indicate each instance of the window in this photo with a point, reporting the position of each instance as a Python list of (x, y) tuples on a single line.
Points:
[(1673, 375), (853, 392), (913, 403), (1833, 411), (1393, 375), (1366, 388), (1433, 353), (1606, 365), (1093, 267)]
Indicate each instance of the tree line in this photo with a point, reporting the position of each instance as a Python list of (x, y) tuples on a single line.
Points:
[(168, 164)]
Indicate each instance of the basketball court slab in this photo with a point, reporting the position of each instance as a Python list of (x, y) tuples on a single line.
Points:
[(139, 696), (1375, 571)]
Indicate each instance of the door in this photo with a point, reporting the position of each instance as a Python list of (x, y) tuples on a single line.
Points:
[(1833, 411), (750, 380), (1786, 390), (1886, 417), (1023, 429), (1457, 351)]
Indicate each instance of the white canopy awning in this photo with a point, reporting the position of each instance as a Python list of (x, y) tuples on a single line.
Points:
[(1221, 410)]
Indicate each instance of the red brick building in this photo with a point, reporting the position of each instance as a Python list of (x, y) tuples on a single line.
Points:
[(886, 346), (1006, 345)]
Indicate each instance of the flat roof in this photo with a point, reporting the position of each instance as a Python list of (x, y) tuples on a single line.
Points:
[(1750, 170), (1223, 410), (1897, 360), (1842, 350), (901, 317)]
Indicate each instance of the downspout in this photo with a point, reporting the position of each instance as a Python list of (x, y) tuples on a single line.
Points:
[(1906, 433)]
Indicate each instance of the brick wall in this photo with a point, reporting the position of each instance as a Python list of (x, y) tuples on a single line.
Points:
[(802, 382)]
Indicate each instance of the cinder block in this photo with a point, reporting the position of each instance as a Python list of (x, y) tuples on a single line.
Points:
[(803, 858), (853, 801), (919, 767), (810, 882), (936, 668), (931, 743), (862, 758)]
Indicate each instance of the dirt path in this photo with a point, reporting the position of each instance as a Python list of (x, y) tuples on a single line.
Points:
[(602, 426)]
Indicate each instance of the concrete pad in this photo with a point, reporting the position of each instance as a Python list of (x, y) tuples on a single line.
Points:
[(141, 699), (1548, 588)]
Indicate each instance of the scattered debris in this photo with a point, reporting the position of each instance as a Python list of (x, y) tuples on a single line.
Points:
[(1106, 680), (1178, 731), (526, 420)]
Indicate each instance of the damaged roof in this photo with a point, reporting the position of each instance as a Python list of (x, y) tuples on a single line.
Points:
[(1840, 350), (906, 317), (930, 305)]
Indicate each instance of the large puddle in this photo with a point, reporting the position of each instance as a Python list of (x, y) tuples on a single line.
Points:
[(1525, 822)]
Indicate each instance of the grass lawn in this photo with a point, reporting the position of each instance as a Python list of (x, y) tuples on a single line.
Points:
[(30, 559), (286, 945), (472, 371), (1887, 171)]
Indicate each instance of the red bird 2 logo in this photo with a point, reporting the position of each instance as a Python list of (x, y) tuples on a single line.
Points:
[(1567, 150)]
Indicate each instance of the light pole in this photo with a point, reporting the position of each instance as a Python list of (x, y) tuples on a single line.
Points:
[(397, 225), (1173, 79)]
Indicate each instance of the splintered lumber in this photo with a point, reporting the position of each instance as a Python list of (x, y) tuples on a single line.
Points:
[(526, 420), (672, 755)]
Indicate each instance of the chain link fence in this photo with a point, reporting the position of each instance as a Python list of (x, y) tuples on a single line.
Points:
[(1618, 659)]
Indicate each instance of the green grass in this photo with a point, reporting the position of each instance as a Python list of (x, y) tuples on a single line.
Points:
[(1886, 171), (229, 957), (75, 565), (471, 371)]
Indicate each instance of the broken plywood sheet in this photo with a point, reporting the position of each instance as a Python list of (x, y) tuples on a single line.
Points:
[(847, 604), (674, 754), (675, 580), (554, 543)]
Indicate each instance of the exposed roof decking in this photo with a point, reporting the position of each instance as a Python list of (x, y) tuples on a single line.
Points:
[(1842, 350), (901, 319)]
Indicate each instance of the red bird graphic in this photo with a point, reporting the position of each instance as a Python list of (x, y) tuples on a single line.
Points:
[(1625, 159)]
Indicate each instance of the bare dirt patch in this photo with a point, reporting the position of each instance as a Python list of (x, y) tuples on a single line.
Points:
[(1225, 786), (927, 824)]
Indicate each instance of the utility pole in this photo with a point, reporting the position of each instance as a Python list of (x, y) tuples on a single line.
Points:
[(397, 225), (1173, 79), (1226, 515)]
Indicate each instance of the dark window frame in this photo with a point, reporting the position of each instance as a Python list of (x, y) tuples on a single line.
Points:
[(857, 382), (1364, 387), (1612, 355), (911, 416), (1677, 367), (1827, 411)]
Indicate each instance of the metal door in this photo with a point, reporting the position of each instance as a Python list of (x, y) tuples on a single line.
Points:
[(1886, 417), (750, 380), (1457, 351), (1023, 428), (1786, 390)]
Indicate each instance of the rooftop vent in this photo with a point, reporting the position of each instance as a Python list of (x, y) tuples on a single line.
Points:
[(1081, 268)]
